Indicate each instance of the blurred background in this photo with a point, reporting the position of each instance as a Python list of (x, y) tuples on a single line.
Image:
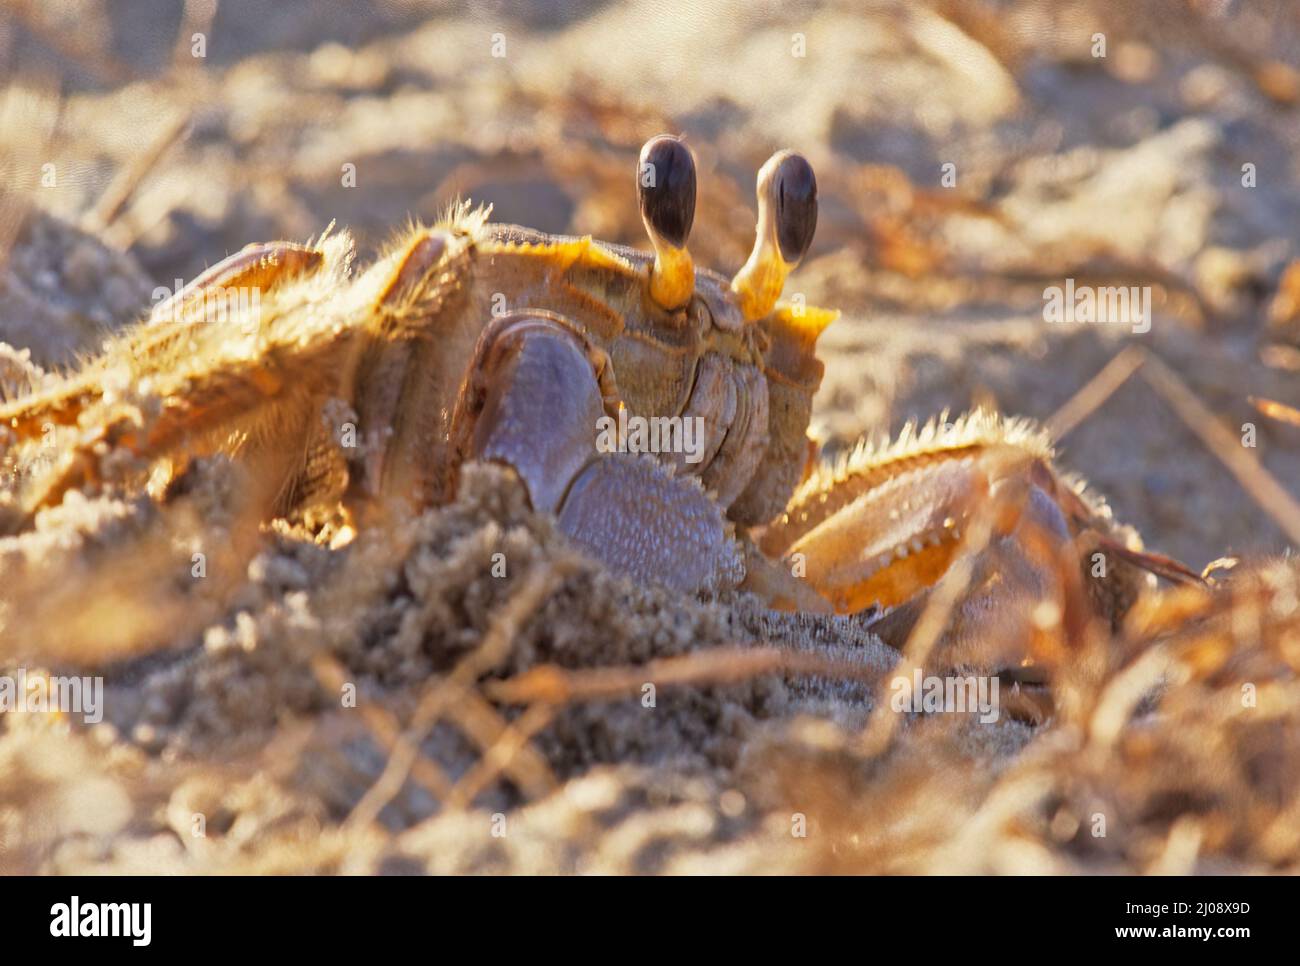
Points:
[(969, 153)]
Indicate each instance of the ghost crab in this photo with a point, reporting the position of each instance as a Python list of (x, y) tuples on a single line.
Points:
[(475, 341)]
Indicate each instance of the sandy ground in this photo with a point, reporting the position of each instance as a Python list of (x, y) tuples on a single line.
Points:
[(1116, 170)]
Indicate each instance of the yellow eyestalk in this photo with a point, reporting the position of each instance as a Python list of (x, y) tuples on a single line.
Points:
[(666, 187), (787, 219)]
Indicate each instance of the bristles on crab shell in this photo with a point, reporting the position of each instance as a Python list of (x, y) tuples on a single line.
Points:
[(462, 216)]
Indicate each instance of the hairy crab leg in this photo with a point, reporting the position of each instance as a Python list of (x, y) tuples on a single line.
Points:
[(258, 267), (173, 323), (190, 379), (883, 525), (410, 358)]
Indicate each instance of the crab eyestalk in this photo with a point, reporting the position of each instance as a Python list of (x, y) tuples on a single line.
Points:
[(787, 219), (666, 188)]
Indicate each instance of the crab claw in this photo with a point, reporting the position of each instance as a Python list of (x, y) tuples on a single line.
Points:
[(787, 219), (533, 400), (666, 188)]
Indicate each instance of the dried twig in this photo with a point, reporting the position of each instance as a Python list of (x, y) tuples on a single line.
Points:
[(128, 180), (1262, 486), (504, 744), (1097, 390), (513, 743), (443, 692), (383, 725), (197, 18), (549, 684), (929, 627), (1276, 410)]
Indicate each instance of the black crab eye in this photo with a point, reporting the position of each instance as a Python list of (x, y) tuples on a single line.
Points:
[(794, 191), (666, 188)]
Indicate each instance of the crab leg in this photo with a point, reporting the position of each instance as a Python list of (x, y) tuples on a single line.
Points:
[(884, 524), (173, 325), (260, 267), (188, 377), (532, 400)]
